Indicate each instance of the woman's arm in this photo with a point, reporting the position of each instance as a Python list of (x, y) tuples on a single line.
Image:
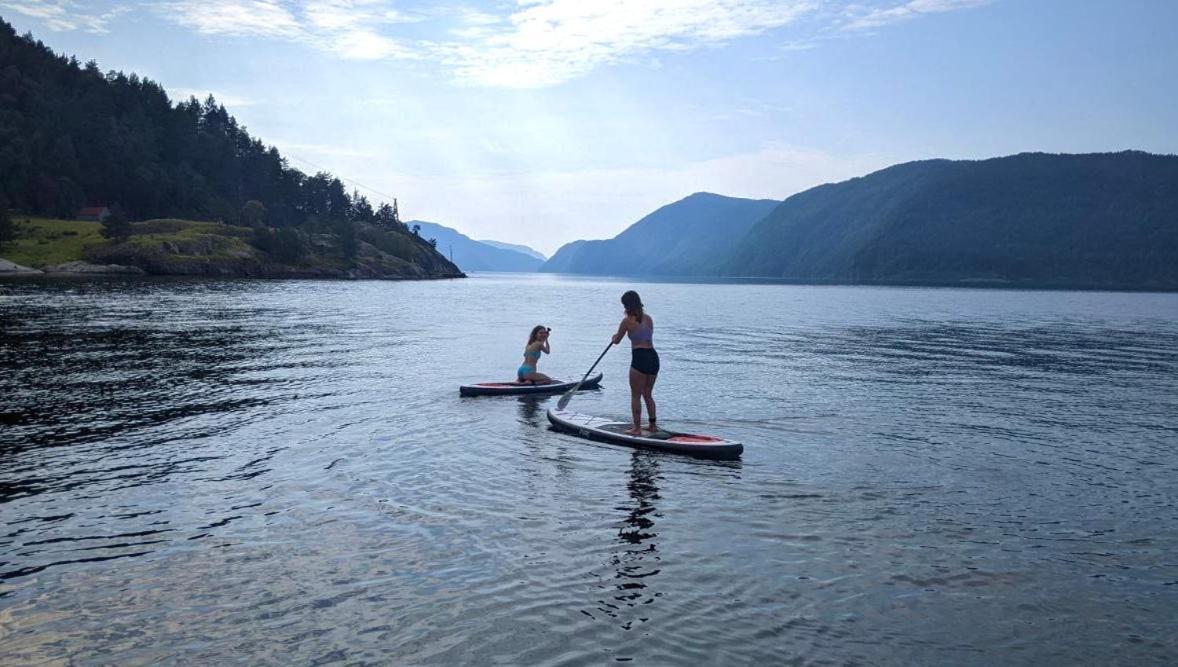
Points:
[(546, 348), (621, 331)]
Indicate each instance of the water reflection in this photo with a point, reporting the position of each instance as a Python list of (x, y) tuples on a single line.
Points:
[(531, 410), (636, 559)]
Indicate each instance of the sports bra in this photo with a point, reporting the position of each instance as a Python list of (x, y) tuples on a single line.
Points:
[(643, 333)]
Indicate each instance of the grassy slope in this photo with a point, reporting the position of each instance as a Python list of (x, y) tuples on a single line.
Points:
[(180, 240), (46, 242)]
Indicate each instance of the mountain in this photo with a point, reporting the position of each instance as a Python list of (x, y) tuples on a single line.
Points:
[(471, 255), (687, 237), (518, 248), (72, 136), (1097, 220)]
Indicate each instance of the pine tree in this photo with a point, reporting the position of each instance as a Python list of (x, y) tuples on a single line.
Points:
[(7, 228), (116, 226), (253, 213), (346, 230), (385, 216)]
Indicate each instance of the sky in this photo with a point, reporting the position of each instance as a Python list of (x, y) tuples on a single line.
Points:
[(545, 121)]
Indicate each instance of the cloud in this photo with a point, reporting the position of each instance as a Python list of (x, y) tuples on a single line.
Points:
[(551, 41), (342, 15), (530, 44), (348, 29), (858, 17), (238, 18), (64, 15), (367, 45)]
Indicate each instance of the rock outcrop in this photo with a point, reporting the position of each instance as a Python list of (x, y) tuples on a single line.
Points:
[(11, 268), (95, 269)]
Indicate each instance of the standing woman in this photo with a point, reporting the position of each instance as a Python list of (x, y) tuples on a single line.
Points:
[(644, 361)]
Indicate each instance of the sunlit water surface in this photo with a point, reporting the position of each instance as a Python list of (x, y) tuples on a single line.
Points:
[(284, 473)]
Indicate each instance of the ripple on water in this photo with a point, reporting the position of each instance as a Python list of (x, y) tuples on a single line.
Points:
[(283, 472)]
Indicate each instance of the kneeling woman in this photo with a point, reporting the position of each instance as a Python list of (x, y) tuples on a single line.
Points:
[(644, 361), (537, 343)]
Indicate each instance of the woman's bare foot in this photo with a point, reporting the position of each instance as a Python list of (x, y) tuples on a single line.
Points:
[(634, 431), (652, 428)]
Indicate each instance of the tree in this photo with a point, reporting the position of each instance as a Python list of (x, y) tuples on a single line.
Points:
[(116, 226), (346, 230), (361, 209), (7, 228), (385, 216), (417, 230), (433, 242), (288, 245), (253, 213)]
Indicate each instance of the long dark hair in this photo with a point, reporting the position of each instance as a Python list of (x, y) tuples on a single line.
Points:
[(536, 332), (633, 305)]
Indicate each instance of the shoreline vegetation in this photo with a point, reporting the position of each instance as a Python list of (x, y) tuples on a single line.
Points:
[(172, 247)]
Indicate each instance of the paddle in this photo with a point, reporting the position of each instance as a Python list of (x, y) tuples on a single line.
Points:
[(568, 396)]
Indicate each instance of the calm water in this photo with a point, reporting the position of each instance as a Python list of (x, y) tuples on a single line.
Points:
[(283, 473)]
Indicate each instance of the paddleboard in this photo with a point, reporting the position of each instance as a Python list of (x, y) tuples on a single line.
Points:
[(613, 431), (515, 388)]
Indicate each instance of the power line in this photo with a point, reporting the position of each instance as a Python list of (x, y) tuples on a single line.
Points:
[(356, 184)]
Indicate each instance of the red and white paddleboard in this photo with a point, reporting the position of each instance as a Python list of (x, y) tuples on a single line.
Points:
[(612, 431)]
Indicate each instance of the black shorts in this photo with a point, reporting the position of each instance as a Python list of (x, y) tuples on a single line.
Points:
[(644, 360)]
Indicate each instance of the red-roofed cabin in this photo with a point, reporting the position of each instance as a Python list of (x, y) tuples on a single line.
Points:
[(94, 213)]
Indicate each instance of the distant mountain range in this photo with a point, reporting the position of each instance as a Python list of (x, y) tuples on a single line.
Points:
[(1106, 220), (682, 238), (472, 255), (518, 248)]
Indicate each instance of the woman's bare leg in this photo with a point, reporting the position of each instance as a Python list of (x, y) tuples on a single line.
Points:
[(648, 397), (637, 383)]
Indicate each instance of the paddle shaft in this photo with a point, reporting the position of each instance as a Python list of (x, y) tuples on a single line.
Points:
[(564, 400)]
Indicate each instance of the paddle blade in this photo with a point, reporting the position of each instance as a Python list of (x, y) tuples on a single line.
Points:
[(568, 396)]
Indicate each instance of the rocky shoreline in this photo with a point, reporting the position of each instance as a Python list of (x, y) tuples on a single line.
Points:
[(87, 269), (8, 268)]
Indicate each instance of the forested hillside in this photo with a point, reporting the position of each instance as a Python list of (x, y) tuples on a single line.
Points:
[(1094, 220), (687, 237), (72, 136)]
